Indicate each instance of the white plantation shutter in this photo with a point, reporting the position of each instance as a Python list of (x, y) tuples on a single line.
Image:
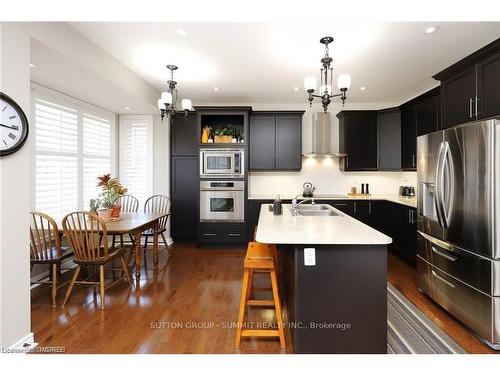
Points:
[(72, 148), (136, 155), (96, 155), (56, 160)]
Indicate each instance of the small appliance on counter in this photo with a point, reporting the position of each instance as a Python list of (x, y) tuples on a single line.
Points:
[(407, 191), (277, 206), (308, 191)]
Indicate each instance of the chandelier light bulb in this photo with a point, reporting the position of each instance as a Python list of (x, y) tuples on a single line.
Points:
[(344, 81), (310, 83), (161, 105), (186, 104), (166, 97)]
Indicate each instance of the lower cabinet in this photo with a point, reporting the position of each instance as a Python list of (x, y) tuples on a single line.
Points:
[(403, 230), (221, 232)]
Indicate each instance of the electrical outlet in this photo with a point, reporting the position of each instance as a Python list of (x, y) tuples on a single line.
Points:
[(309, 256)]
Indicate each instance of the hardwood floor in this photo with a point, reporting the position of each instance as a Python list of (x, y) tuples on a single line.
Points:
[(403, 276), (194, 286)]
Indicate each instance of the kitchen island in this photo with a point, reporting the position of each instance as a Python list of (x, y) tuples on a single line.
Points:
[(333, 276)]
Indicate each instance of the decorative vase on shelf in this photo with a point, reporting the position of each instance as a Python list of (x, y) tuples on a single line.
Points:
[(205, 134)]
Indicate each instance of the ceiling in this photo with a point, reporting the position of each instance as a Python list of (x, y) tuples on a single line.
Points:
[(264, 63)]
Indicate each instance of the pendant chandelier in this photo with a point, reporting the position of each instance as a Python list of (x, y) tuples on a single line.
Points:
[(168, 100), (326, 80)]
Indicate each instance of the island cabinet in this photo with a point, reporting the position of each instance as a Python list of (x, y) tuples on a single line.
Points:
[(358, 140), (275, 142), (469, 88), (184, 185)]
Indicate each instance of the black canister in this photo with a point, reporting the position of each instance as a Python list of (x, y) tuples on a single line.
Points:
[(277, 206)]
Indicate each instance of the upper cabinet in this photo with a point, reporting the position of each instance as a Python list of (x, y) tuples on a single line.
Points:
[(419, 116), (358, 140), (469, 88), (184, 140), (275, 141), (389, 139)]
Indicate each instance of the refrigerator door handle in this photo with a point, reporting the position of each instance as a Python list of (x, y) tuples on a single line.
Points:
[(438, 198), (450, 188)]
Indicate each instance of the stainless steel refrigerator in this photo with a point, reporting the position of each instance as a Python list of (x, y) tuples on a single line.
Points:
[(458, 253)]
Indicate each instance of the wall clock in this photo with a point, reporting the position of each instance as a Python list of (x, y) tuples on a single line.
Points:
[(13, 126)]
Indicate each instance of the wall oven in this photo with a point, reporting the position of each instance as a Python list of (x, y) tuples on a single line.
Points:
[(222, 201), (222, 163)]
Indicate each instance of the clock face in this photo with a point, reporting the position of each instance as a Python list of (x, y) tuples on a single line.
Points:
[(13, 126)]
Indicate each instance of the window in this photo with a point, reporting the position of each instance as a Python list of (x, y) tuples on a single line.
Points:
[(73, 145), (136, 155)]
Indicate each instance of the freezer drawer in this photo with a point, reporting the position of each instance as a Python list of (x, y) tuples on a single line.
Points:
[(479, 311), (476, 271)]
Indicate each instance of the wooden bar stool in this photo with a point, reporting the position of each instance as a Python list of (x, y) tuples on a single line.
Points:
[(259, 257)]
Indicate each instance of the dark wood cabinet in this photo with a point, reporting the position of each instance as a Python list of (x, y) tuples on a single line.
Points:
[(358, 140), (469, 88), (419, 116), (408, 138), (184, 141), (458, 95), (275, 141), (488, 84), (185, 191), (389, 139), (402, 228), (288, 142)]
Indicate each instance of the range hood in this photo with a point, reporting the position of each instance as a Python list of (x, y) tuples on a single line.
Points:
[(321, 137)]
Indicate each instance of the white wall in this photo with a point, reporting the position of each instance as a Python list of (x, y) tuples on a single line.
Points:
[(324, 173), (15, 193)]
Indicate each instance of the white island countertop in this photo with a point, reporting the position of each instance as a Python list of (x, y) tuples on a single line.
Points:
[(341, 229)]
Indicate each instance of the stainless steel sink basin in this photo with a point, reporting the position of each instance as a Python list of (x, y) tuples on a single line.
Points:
[(315, 210)]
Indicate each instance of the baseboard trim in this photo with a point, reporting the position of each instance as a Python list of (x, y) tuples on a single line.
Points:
[(24, 345)]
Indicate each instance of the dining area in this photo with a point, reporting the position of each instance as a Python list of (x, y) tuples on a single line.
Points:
[(96, 250)]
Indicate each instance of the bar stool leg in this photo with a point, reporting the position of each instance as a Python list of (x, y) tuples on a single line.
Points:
[(277, 306), (243, 299)]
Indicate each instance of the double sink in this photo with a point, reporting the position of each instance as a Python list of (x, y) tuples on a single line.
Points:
[(315, 210)]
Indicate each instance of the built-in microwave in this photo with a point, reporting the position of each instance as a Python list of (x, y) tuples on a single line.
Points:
[(222, 163)]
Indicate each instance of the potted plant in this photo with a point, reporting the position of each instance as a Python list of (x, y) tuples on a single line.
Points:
[(223, 135), (104, 204)]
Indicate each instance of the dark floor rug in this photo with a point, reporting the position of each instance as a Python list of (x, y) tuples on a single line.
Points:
[(409, 331)]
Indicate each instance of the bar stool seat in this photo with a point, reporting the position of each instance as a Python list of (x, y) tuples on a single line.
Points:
[(259, 257)]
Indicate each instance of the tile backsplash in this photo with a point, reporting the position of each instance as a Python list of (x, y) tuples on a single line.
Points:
[(324, 173)]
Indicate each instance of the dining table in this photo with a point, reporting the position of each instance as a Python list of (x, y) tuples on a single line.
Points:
[(134, 223)]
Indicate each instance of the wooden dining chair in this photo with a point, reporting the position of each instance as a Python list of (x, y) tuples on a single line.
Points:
[(87, 235), (157, 204), (45, 248), (128, 204)]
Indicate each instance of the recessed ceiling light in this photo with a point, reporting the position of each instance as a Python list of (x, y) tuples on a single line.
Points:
[(431, 29), (180, 32), (32, 65), (216, 89), (128, 108), (296, 88), (362, 88)]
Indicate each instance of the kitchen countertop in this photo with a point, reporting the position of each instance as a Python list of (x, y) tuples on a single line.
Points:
[(341, 229), (395, 198)]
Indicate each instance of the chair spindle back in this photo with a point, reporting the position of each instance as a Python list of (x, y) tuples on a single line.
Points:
[(45, 243), (159, 204)]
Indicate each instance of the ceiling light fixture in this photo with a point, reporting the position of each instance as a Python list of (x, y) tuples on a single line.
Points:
[(362, 88), (180, 32), (296, 88), (32, 65), (168, 100), (431, 29), (326, 80), (127, 108), (216, 89)]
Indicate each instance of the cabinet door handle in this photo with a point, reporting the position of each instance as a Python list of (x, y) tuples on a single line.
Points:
[(470, 107), (370, 208), (442, 279), (340, 204), (355, 207), (476, 105), (234, 234), (409, 216), (413, 160), (209, 234)]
